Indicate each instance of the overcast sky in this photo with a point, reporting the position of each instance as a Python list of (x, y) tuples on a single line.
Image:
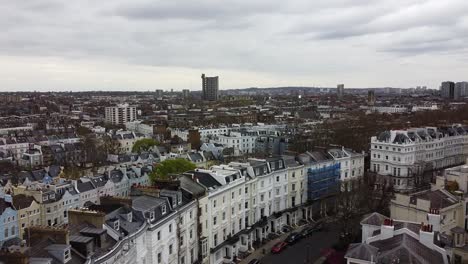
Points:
[(57, 45)]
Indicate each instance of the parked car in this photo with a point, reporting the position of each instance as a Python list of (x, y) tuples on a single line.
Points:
[(254, 261), (278, 247), (293, 238), (286, 229), (318, 226), (307, 231)]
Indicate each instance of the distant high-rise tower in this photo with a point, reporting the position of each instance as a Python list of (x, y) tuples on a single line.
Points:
[(159, 93), (186, 93), (371, 97), (461, 90), (340, 90), (120, 114), (210, 87), (447, 90)]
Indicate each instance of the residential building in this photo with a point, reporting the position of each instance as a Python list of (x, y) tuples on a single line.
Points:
[(172, 233), (32, 158), (241, 142), (221, 211), (120, 114), (8, 219), (461, 90), (186, 93), (415, 207), (371, 97), (340, 90), (210, 88), (138, 126), (297, 189), (396, 241), (28, 210), (458, 177), (401, 157), (392, 109), (351, 162), (126, 140), (87, 191), (447, 90)]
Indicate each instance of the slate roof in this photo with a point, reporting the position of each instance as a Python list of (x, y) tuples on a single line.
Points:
[(99, 181), (406, 249), (374, 219), (116, 176), (437, 198), (144, 203), (22, 201), (208, 155), (4, 205), (54, 171), (84, 186), (195, 156), (362, 251), (414, 227), (204, 179)]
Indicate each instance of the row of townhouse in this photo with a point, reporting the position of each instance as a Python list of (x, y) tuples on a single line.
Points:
[(42, 200), (402, 156), (126, 140), (241, 203), (16, 147), (215, 215), (159, 226)]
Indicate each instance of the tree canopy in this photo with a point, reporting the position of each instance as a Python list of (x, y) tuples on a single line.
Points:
[(171, 166), (144, 144)]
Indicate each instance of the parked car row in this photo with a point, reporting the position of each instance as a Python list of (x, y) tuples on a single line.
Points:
[(294, 237)]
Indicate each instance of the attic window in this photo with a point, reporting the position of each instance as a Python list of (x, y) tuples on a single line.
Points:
[(151, 216), (116, 225), (129, 217), (163, 209), (67, 255), (179, 199)]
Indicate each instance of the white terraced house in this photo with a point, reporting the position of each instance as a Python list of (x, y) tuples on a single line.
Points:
[(400, 156), (221, 211)]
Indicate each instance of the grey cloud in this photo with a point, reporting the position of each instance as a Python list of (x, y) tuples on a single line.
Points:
[(288, 39)]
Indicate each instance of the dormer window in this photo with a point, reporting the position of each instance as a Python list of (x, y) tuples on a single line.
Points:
[(66, 255), (117, 225), (179, 199), (129, 217), (151, 216), (163, 209)]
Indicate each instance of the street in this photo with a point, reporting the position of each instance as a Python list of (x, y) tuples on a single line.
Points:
[(309, 248)]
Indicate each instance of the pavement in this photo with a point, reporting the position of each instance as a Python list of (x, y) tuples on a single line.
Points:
[(307, 250)]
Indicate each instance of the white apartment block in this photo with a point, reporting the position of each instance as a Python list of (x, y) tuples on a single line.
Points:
[(244, 202), (206, 133), (401, 155), (138, 127), (390, 109), (221, 212), (242, 142), (351, 162), (120, 114)]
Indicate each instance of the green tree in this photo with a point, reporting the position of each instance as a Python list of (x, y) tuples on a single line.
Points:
[(144, 144), (171, 166), (83, 131), (72, 172)]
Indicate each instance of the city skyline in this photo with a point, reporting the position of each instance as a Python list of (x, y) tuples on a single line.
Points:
[(147, 45)]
